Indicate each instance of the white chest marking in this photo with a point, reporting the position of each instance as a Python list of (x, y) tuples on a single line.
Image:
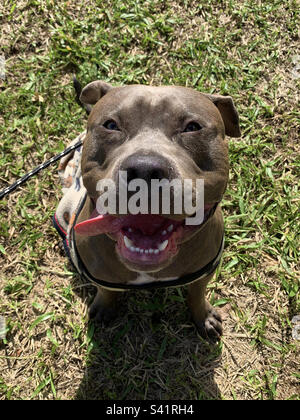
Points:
[(144, 278)]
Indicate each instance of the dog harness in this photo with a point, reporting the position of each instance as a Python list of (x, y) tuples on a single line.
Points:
[(66, 215)]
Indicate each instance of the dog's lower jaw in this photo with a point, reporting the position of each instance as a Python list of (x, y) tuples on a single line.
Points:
[(154, 260)]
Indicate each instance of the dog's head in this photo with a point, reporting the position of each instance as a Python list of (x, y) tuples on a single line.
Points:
[(168, 134)]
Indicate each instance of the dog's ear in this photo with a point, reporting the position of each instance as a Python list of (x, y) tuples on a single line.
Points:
[(228, 113), (92, 92)]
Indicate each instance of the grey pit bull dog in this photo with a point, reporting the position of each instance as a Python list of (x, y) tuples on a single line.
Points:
[(163, 132)]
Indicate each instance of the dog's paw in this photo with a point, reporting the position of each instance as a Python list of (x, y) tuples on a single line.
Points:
[(210, 328), (104, 307), (100, 314)]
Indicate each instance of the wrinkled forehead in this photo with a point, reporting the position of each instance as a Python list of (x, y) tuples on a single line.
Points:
[(145, 102)]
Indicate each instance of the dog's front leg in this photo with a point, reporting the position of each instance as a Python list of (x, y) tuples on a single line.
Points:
[(104, 306), (206, 318)]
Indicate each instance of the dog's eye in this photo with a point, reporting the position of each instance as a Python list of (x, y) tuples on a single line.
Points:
[(192, 126), (111, 125)]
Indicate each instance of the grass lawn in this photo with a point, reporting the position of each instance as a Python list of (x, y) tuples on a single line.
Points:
[(246, 49)]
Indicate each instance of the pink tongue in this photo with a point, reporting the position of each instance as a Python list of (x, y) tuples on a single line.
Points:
[(98, 224), (148, 224)]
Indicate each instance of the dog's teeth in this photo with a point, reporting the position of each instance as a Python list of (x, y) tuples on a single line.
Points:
[(163, 245), (164, 232), (160, 247), (170, 228), (128, 242)]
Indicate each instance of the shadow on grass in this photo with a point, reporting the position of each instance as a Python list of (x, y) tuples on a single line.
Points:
[(150, 352)]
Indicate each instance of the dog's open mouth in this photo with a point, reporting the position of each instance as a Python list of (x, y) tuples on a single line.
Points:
[(143, 240)]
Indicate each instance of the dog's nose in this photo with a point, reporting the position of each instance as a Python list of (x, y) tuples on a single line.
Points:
[(147, 167)]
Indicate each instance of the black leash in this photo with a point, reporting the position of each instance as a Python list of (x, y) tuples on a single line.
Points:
[(44, 165), (12, 187)]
